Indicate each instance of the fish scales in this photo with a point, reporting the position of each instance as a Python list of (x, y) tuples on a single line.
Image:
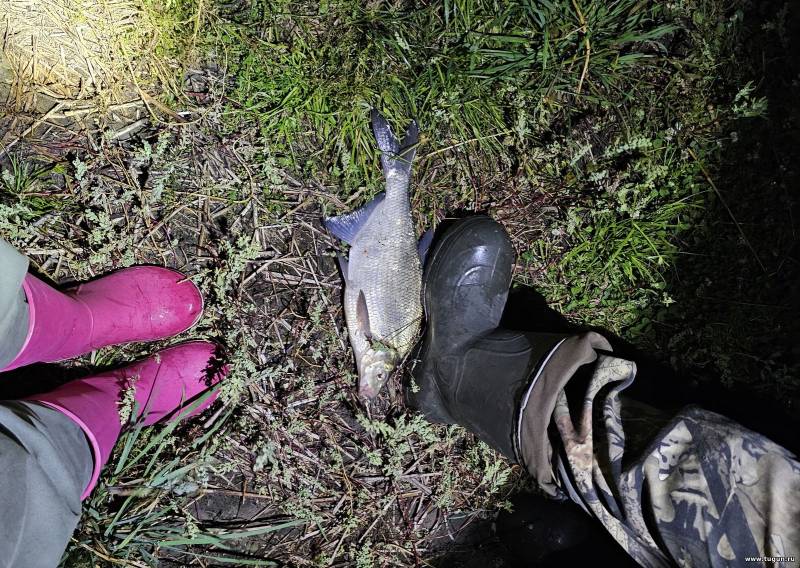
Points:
[(385, 266)]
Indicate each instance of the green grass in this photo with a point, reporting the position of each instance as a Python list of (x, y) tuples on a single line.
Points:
[(492, 85), (587, 127), (471, 73), (482, 73)]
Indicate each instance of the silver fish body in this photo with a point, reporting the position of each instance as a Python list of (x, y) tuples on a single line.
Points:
[(383, 273)]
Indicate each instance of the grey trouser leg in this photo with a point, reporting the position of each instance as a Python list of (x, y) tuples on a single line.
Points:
[(45, 464), (13, 307)]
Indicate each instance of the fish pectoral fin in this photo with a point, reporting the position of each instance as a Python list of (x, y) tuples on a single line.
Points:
[(362, 316), (346, 227)]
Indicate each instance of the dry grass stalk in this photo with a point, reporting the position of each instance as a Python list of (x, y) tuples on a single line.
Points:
[(69, 49)]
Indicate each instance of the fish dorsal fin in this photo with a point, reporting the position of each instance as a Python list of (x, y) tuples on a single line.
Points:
[(362, 315), (343, 265), (424, 245), (347, 226), (396, 156)]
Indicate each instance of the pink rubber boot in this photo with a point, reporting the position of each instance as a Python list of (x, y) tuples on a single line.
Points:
[(142, 303), (165, 386)]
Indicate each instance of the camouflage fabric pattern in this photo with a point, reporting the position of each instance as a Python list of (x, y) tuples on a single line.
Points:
[(705, 492)]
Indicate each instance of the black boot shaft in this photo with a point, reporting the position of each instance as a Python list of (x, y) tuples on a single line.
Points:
[(492, 377)]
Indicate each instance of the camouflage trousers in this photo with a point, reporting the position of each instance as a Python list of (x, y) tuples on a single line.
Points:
[(702, 491)]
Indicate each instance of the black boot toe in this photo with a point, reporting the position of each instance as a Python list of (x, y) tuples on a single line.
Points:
[(466, 281)]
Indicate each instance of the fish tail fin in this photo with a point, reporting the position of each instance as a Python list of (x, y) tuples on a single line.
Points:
[(396, 155)]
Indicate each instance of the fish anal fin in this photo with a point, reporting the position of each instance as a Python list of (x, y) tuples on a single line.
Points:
[(343, 265)]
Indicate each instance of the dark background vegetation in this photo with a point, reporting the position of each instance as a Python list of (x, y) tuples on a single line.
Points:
[(734, 328)]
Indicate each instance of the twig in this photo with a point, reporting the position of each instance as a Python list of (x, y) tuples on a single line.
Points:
[(377, 518), (109, 558), (465, 142), (31, 128), (728, 209), (586, 43)]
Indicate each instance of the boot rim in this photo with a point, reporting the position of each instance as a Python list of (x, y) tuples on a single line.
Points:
[(26, 287), (97, 453)]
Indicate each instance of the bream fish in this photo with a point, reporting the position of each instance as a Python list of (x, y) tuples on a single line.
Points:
[(383, 274)]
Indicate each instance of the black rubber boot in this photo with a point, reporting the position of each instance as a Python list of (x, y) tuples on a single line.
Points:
[(470, 371), (540, 531)]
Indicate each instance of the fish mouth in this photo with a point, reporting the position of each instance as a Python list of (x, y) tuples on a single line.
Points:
[(367, 391)]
